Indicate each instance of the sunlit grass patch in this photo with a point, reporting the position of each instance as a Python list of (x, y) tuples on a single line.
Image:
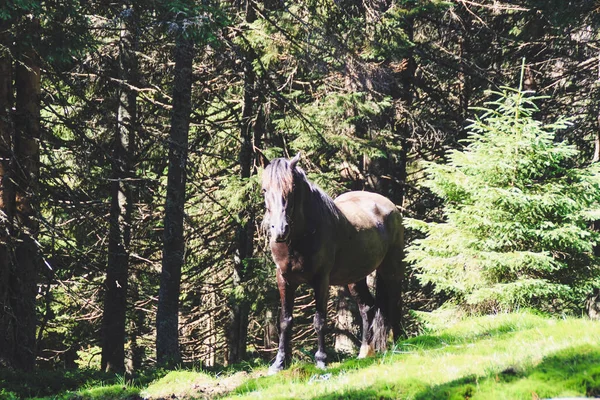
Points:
[(572, 372), (97, 392), (108, 393), (502, 356), (179, 383)]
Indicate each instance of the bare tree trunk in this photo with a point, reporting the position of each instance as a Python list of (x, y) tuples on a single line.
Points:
[(406, 78), (7, 323), (167, 318), (115, 301), (240, 306), (596, 156), (19, 171), (464, 80), (346, 328), (271, 334)]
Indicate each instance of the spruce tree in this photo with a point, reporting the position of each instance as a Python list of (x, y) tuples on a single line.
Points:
[(518, 207)]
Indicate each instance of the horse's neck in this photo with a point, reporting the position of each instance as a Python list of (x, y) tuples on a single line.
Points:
[(319, 210)]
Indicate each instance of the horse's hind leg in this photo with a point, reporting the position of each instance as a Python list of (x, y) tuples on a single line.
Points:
[(366, 306)]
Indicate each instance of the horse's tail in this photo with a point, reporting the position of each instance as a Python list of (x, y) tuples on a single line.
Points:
[(388, 289), (381, 321), (388, 298)]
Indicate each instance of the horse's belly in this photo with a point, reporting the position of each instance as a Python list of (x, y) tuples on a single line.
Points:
[(358, 257), (374, 223)]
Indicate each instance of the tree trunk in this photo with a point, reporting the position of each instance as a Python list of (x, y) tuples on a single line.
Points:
[(405, 78), (167, 318), (596, 156), (19, 169), (347, 331), (136, 326), (240, 305), (7, 323), (115, 301)]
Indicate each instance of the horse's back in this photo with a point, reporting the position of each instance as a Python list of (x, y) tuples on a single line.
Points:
[(375, 228), (365, 210)]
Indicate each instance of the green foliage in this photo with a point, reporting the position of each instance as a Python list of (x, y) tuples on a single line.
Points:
[(12, 8), (89, 358), (192, 20), (333, 79), (518, 210)]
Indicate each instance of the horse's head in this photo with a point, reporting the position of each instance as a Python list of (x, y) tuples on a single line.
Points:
[(278, 184)]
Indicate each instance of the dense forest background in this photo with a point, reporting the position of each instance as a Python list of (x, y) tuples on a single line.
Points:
[(132, 136)]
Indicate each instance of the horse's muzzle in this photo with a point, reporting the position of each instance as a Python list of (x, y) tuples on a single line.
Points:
[(281, 237)]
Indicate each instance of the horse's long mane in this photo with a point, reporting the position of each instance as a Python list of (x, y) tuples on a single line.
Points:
[(280, 177), (323, 202)]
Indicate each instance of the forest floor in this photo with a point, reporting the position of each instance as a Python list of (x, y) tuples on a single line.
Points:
[(507, 356)]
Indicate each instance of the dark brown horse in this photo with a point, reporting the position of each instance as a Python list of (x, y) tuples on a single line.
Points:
[(322, 242)]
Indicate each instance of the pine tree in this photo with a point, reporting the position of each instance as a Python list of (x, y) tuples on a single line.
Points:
[(517, 214)]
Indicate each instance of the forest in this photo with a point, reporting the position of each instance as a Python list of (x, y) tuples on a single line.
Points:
[(133, 136)]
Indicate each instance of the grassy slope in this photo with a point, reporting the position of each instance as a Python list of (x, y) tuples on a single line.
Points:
[(510, 356)]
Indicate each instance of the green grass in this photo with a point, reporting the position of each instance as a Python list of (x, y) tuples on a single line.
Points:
[(508, 356), (181, 383), (80, 384), (511, 356), (98, 392)]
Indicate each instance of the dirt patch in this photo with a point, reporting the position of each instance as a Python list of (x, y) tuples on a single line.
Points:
[(221, 386), (208, 389)]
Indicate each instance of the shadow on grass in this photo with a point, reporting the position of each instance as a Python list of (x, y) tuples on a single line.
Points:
[(303, 372), (570, 372), (430, 342), (61, 384)]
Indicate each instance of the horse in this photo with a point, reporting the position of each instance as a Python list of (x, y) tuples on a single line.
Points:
[(319, 241)]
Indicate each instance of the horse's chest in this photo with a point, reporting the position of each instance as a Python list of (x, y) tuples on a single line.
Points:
[(293, 263), (286, 259)]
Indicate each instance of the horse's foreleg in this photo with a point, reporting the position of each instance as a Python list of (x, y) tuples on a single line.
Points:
[(321, 287), (287, 294), (366, 306)]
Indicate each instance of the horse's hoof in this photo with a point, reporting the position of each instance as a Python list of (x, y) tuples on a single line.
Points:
[(274, 369), (321, 365), (366, 351)]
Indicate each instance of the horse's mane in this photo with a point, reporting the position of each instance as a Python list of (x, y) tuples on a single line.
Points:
[(324, 202), (279, 177)]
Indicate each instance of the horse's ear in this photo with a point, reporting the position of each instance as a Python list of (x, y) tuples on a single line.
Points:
[(294, 161)]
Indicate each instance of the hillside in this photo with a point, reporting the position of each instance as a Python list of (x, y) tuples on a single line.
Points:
[(510, 356), (507, 356)]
